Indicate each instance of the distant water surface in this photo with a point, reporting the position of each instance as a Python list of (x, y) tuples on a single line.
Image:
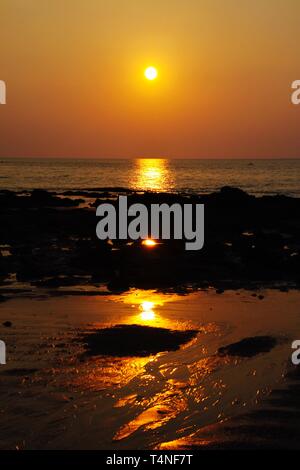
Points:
[(254, 176)]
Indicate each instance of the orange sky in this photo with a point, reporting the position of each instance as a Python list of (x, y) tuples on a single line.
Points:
[(75, 83)]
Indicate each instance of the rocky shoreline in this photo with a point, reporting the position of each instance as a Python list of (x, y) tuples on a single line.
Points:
[(48, 240)]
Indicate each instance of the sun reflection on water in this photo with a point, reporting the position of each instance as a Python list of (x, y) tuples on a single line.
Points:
[(147, 307), (147, 310), (152, 174), (149, 243)]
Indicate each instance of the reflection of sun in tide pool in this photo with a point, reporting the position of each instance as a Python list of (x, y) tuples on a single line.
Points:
[(147, 310), (148, 242), (147, 307)]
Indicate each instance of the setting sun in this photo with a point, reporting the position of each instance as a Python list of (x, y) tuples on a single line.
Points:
[(151, 73)]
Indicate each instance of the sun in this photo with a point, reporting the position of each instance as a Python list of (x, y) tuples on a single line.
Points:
[(151, 73)]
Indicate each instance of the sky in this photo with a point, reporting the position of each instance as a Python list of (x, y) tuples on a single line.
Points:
[(74, 72)]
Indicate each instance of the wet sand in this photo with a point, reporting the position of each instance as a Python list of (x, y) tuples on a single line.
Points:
[(54, 396), (216, 369)]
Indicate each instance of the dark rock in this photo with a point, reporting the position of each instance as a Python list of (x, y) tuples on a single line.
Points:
[(7, 324), (235, 194), (220, 291), (249, 347), (50, 238), (134, 340)]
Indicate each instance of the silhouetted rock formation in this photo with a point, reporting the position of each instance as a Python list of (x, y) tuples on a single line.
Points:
[(52, 238), (249, 347)]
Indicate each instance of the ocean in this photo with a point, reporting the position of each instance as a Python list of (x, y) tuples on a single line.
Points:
[(259, 177)]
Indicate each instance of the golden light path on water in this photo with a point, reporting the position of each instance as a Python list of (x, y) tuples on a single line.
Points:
[(135, 307), (147, 310), (152, 174), (147, 306)]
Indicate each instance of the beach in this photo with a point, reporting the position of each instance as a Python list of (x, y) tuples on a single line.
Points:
[(120, 345), (149, 231), (54, 396)]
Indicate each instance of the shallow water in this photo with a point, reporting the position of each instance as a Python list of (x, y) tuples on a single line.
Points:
[(53, 397)]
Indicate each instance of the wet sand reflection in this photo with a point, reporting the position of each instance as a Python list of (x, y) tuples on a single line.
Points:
[(148, 308), (155, 401)]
